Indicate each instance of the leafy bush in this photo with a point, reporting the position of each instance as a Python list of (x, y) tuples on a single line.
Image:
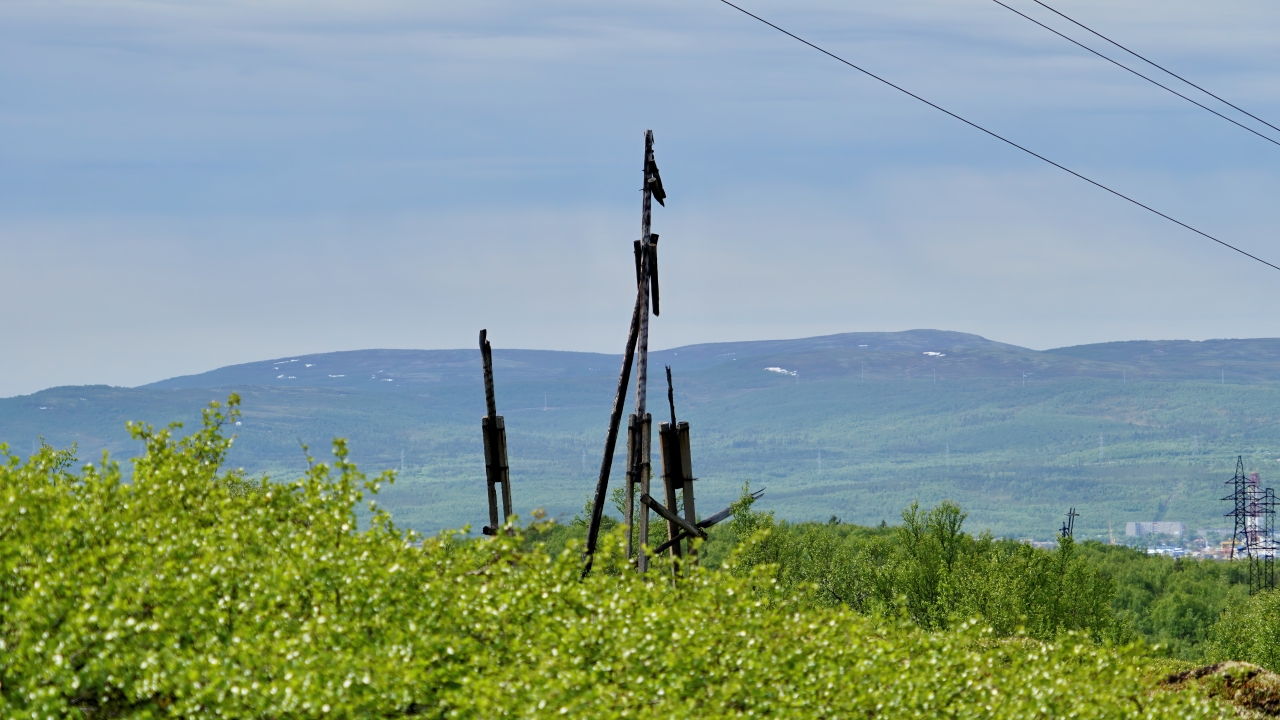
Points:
[(1171, 602), (1249, 631), (193, 592), (936, 572)]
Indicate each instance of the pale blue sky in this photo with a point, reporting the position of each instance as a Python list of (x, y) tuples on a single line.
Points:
[(188, 185)]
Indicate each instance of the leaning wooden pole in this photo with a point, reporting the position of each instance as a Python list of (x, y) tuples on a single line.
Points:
[(611, 440), (497, 474)]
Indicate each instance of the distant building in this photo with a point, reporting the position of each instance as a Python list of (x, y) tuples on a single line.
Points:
[(1138, 529)]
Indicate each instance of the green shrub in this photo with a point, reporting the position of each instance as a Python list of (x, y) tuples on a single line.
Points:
[(1171, 602), (935, 572), (1249, 631), (191, 592)]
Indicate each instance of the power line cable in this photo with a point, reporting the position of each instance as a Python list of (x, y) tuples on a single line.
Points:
[(1155, 65), (1135, 72), (1001, 138)]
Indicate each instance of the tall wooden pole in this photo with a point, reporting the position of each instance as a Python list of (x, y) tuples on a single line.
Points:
[(642, 356), (637, 343)]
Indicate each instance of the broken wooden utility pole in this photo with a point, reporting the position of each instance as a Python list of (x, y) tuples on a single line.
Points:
[(495, 446), (637, 345)]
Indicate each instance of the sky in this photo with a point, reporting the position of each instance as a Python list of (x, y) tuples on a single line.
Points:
[(186, 185)]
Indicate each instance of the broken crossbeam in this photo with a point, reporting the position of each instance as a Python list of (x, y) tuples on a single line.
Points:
[(672, 517), (713, 520)]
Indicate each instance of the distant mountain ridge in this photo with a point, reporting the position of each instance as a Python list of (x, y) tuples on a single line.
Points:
[(857, 425), (366, 369), (1253, 359), (907, 354)]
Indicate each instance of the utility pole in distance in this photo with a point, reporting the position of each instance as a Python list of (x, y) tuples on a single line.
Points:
[(1069, 527)]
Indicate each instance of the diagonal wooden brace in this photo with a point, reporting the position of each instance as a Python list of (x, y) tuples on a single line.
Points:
[(672, 517), (685, 535)]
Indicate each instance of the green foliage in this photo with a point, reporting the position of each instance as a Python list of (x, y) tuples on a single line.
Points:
[(934, 571), (1172, 603), (1250, 631), (193, 592)]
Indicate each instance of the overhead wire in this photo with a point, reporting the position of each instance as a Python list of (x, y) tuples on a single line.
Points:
[(999, 137), (1135, 72), (1152, 63)]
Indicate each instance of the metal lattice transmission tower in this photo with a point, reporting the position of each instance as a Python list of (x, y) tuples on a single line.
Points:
[(1254, 510), (1264, 565)]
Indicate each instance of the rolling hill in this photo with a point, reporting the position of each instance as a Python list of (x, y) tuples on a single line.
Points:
[(855, 425)]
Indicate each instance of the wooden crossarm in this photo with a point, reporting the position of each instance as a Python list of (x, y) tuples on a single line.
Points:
[(672, 517), (684, 534)]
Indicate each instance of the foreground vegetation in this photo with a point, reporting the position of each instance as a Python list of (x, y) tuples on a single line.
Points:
[(932, 570), (936, 574), (193, 591)]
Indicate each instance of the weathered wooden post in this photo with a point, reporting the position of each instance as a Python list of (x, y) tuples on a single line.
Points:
[(643, 472), (672, 483), (686, 470), (495, 446), (628, 503), (637, 344), (677, 475), (642, 347)]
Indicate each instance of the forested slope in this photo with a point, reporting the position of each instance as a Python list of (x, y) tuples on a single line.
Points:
[(858, 432)]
